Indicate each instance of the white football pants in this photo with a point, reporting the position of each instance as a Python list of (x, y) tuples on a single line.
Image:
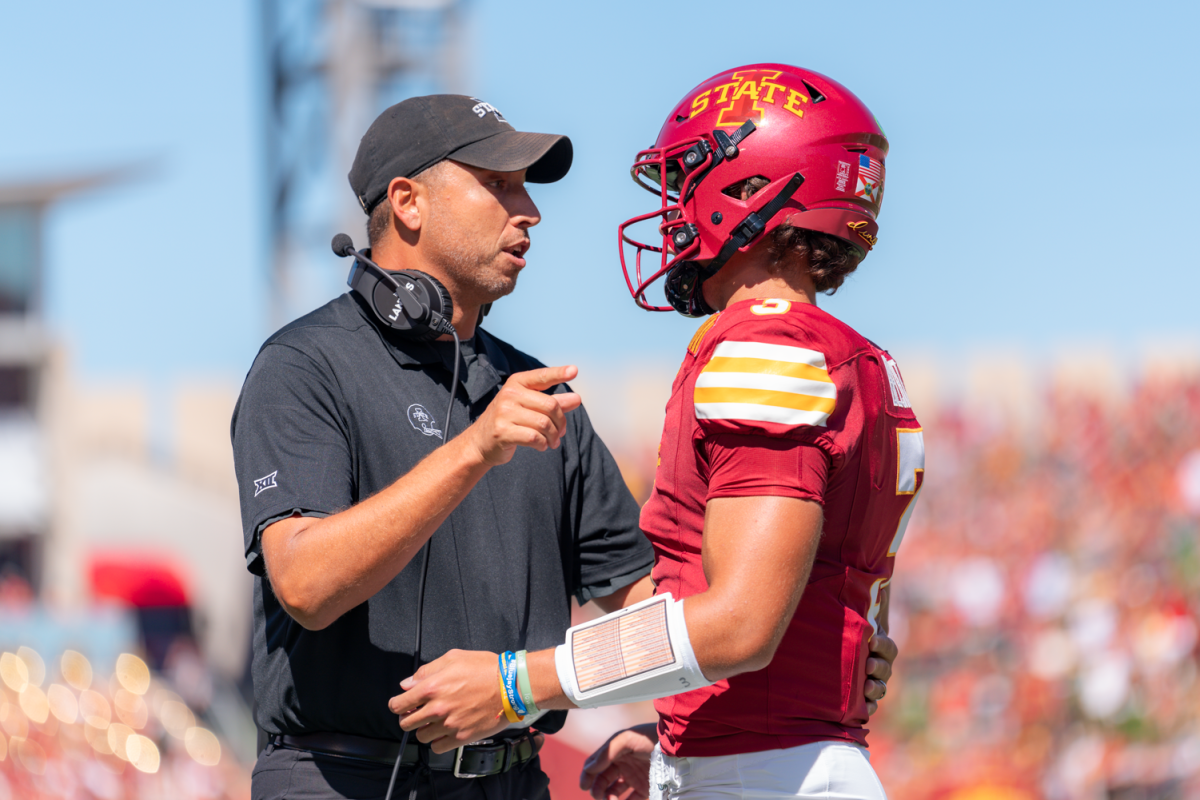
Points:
[(820, 769)]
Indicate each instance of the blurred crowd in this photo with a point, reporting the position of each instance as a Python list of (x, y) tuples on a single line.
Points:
[(71, 731), (1046, 600)]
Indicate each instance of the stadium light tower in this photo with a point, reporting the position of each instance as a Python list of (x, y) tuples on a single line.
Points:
[(332, 66)]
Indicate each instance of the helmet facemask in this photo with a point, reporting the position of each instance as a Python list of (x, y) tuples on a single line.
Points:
[(678, 233), (685, 164)]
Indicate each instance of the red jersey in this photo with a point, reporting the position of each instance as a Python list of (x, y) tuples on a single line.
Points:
[(780, 398)]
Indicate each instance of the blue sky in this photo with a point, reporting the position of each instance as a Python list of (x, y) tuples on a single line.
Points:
[(1041, 181)]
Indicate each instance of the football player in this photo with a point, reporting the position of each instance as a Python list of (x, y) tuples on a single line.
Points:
[(788, 468)]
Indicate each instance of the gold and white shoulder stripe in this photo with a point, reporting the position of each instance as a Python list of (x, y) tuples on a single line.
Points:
[(765, 383)]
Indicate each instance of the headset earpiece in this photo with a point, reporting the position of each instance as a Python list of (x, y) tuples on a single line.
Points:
[(433, 301)]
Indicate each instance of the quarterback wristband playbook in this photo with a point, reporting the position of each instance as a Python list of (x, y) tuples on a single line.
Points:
[(637, 653)]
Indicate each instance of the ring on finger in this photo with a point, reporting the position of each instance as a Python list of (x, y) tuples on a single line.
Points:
[(884, 692)]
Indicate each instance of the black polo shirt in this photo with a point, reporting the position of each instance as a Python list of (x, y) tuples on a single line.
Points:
[(335, 409)]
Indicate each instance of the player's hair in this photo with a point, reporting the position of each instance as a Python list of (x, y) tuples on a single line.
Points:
[(830, 259), (381, 215)]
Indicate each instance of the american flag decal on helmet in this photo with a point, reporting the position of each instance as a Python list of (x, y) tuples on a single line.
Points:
[(870, 179), (765, 383)]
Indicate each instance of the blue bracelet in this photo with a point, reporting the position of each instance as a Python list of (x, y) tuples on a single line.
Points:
[(508, 668)]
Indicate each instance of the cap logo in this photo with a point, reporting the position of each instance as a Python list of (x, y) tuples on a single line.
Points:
[(741, 98), (482, 109)]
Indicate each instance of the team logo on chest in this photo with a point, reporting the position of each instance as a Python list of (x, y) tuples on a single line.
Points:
[(423, 421)]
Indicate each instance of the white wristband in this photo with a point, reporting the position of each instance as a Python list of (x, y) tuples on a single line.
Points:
[(638, 653)]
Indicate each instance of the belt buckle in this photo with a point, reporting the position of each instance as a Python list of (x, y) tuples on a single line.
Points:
[(458, 755)]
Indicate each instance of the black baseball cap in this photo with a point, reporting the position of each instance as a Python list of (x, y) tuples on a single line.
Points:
[(417, 133)]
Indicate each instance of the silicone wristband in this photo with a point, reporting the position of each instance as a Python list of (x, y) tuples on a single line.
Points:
[(523, 683), (510, 683), (509, 714)]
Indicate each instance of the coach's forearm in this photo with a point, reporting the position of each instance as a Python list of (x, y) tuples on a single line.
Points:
[(320, 568)]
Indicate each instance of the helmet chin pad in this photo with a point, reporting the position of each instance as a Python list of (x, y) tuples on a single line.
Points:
[(684, 289)]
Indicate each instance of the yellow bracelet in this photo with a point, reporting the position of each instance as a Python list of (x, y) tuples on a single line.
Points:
[(509, 714)]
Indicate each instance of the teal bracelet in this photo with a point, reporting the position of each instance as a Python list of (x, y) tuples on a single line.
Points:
[(523, 684)]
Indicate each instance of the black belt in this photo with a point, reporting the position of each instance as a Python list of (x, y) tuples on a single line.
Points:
[(475, 760)]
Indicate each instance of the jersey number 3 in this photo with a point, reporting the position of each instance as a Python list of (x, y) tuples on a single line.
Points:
[(910, 470)]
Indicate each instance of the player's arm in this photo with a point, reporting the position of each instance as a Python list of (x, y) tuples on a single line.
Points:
[(321, 567), (758, 552)]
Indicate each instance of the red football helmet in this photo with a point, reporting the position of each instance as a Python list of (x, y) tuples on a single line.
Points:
[(816, 143)]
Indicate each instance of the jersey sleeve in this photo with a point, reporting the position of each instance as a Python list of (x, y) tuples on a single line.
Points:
[(754, 466), (763, 399), (291, 451)]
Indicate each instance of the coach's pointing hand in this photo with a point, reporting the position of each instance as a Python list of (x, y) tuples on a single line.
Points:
[(522, 415)]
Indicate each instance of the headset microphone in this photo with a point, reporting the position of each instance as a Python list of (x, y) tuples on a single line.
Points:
[(343, 245)]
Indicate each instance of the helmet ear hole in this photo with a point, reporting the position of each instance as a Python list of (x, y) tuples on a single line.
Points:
[(746, 187)]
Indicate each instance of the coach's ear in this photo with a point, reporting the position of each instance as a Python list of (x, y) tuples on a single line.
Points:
[(879, 669), (408, 199)]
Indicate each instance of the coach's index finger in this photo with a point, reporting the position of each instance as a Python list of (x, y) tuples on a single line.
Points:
[(545, 377)]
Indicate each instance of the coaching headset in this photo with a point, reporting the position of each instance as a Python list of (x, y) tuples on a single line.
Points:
[(409, 301)]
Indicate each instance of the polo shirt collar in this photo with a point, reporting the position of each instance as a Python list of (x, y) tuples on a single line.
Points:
[(408, 353), (488, 371), (493, 352)]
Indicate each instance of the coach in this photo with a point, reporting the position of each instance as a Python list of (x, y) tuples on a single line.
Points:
[(336, 441)]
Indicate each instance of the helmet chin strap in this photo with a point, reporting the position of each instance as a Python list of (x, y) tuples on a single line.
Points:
[(687, 297)]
